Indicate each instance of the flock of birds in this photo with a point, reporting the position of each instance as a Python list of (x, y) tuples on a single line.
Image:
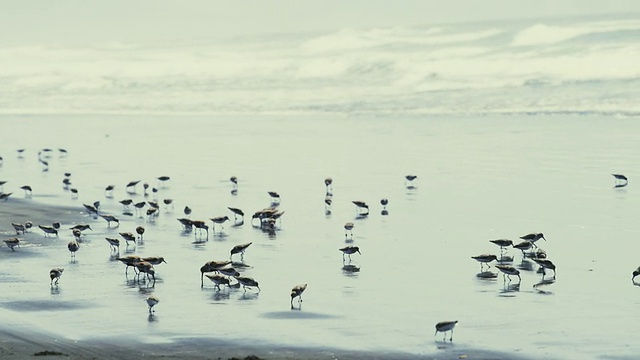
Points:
[(222, 273)]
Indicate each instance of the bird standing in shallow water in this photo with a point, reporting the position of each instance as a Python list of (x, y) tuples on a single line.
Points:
[(55, 274), (363, 208), (328, 183), (140, 231), (73, 246), (348, 250), (635, 273), (151, 302), (445, 326), (12, 242), (348, 227), (236, 212), (297, 292), (533, 237), (240, 249), (114, 244), (485, 259), (621, 180), (508, 270)]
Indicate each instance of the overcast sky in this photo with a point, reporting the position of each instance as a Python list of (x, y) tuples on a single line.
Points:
[(60, 21)]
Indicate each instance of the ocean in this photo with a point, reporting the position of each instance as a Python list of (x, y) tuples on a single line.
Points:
[(511, 128)]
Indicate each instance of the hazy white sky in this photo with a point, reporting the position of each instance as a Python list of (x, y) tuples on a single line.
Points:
[(26, 21)]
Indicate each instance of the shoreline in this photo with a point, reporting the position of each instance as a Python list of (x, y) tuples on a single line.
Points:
[(23, 341)]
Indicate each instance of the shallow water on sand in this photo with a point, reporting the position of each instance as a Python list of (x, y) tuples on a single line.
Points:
[(478, 179)]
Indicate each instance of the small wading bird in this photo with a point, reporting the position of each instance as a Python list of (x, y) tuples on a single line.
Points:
[(297, 292), (348, 229), (108, 191), (211, 266), (18, 228), (363, 208), (48, 230), (523, 246), (546, 264), (240, 249), (533, 237), (151, 302), (5, 196), (27, 190), (348, 250), (114, 244), (218, 280), (409, 180), (130, 260), (445, 326), (110, 219), (508, 270), (132, 184), (275, 197), (635, 273), (485, 259), (236, 212), (328, 183), (127, 236), (140, 231), (219, 220), (503, 243), (73, 246), (247, 282), (55, 275), (12, 242), (621, 180)]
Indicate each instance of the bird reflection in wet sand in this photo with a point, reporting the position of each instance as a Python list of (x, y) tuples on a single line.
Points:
[(544, 282), (350, 269), (297, 292)]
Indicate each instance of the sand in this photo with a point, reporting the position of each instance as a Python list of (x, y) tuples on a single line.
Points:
[(23, 342)]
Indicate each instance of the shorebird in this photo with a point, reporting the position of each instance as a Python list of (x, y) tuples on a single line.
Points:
[(147, 268), (228, 271), (275, 197), (348, 227), (348, 250), (91, 209), (56, 225), (20, 153), (234, 181), (108, 191), (5, 196), (503, 243), (140, 231), (533, 237), (27, 190), (445, 326), (361, 205), (152, 301), (508, 270), (114, 243), (154, 260), (82, 227), (187, 223), (127, 236), (384, 203), (199, 224), (546, 264), (18, 228), (240, 249), (297, 292), (12, 242), (73, 246), (126, 202), (48, 230), (485, 259), (236, 212), (218, 280), (211, 266), (167, 202), (635, 273), (28, 225), (63, 152), (409, 180), (621, 180), (130, 260), (77, 234), (110, 219), (55, 274), (187, 211), (328, 183), (219, 220), (132, 184), (145, 186), (247, 282), (139, 205), (163, 179), (523, 246), (74, 192)]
